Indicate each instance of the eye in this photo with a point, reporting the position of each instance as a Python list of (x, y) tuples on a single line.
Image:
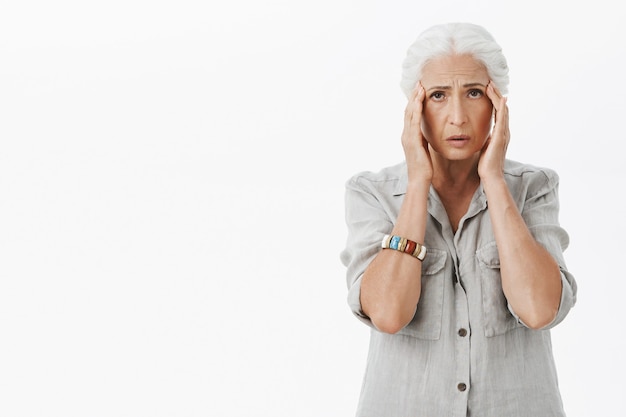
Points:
[(475, 93), (437, 95)]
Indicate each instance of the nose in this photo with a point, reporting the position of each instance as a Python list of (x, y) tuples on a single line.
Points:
[(458, 112)]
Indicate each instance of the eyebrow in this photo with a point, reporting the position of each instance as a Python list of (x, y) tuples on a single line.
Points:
[(447, 87)]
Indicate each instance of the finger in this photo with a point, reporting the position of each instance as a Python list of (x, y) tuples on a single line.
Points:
[(419, 99), (494, 95), (501, 127), (504, 109), (413, 111), (416, 90), (502, 113), (408, 111), (504, 120), (419, 105)]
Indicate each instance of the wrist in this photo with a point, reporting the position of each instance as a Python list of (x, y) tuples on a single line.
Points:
[(490, 172), (493, 181), (418, 186)]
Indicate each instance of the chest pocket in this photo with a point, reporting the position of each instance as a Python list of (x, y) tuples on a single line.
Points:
[(426, 323), (497, 317)]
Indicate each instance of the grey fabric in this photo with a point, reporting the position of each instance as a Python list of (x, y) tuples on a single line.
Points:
[(465, 353)]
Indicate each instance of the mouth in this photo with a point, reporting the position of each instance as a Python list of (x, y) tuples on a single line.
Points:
[(458, 138), (458, 141)]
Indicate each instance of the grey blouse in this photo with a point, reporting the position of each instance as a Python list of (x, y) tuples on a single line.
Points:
[(466, 352)]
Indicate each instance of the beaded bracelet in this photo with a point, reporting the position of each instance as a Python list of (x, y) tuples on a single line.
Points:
[(404, 245)]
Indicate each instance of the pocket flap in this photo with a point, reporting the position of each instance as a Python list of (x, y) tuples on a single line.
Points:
[(434, 261), (488, 255)]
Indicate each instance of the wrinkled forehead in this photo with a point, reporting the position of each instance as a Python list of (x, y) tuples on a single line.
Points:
[(454, 69)]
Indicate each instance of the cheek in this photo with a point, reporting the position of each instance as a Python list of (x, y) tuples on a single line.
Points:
[(485, 120)]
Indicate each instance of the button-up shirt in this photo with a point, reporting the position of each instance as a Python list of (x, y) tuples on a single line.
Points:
[(466, 352)]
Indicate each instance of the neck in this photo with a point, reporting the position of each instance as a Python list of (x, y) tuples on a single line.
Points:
[(455, 175)]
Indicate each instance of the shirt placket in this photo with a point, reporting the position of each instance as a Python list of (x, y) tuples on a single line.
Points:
[(462, 330), (461, 345), (461, 334)]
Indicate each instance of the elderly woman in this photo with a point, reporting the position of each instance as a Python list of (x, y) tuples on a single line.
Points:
[(455, 256)]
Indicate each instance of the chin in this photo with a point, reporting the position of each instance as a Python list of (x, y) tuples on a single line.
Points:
[(461, 155)]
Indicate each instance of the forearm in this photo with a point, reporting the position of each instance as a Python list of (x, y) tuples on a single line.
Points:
[(531, 278), (391, 284)]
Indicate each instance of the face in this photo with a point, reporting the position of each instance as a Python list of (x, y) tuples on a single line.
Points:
[(457, 112)]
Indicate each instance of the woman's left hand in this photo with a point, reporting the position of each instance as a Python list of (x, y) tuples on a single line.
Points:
[(493, 154)]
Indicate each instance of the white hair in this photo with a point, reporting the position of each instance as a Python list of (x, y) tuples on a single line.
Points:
[(454, 39)]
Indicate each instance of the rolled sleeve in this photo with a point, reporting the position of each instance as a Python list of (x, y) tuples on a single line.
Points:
[(367, 223), (541, 214)]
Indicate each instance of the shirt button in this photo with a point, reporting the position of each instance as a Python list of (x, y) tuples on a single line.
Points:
[(462, 387), (462, 332)]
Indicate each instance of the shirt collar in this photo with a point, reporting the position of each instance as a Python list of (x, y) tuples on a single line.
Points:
[(402, 183), (478, 203)]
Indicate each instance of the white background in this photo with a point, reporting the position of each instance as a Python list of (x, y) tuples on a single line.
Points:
[(171, 194)]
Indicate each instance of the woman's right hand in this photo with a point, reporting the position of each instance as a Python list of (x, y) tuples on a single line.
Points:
[(419, 164)]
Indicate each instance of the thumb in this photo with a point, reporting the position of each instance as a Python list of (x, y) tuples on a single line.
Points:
[(487, 142)]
